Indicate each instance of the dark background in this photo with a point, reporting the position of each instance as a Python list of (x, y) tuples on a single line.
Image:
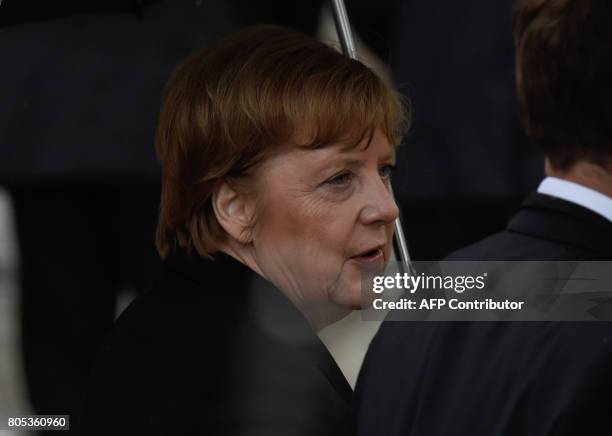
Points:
[(463, 169)]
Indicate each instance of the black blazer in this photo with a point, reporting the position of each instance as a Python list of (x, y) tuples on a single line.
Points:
[(469, 378), (200, 353)]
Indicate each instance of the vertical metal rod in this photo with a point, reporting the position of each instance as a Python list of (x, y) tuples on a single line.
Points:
[(343, 28)]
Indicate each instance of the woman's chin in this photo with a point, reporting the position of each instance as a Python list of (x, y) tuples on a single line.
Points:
[(352, 298)]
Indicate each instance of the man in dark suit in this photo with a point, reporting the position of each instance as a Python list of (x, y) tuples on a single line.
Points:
[(511, 378)]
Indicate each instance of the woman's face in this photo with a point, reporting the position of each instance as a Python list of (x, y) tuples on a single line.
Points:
[(325, 215)]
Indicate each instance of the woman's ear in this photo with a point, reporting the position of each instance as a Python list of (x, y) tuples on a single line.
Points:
[(234, 212)]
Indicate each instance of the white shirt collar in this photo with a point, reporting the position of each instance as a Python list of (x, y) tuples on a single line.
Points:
[(578, 194)]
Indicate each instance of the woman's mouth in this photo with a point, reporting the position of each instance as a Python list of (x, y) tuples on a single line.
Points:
[(369, 257)]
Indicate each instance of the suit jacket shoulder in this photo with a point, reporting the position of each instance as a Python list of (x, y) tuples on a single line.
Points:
[(546, 228), (504, 378)]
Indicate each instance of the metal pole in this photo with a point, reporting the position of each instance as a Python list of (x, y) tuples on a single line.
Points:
[(343, 27)]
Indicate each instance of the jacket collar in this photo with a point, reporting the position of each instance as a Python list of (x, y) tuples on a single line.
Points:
[(558, 220)]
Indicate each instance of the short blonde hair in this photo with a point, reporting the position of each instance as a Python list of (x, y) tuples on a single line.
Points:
[(228, 107)]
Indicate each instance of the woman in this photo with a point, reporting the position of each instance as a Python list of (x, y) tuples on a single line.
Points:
[(276, 154)]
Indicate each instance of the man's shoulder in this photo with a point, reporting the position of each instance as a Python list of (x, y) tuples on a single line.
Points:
[(509, 245), (545, 228)]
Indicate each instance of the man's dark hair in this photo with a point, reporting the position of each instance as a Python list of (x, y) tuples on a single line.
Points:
[(564, 78)]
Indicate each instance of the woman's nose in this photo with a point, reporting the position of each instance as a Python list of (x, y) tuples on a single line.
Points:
[(380, 205)]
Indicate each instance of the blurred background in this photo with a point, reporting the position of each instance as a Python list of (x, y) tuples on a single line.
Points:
[(80, 91)]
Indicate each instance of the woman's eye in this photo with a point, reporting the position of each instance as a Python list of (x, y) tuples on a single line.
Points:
[(386, 170), (340, 180)]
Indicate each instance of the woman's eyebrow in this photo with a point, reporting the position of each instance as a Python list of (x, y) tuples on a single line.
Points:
[(340, 161), (349, 162), (353, 163)]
